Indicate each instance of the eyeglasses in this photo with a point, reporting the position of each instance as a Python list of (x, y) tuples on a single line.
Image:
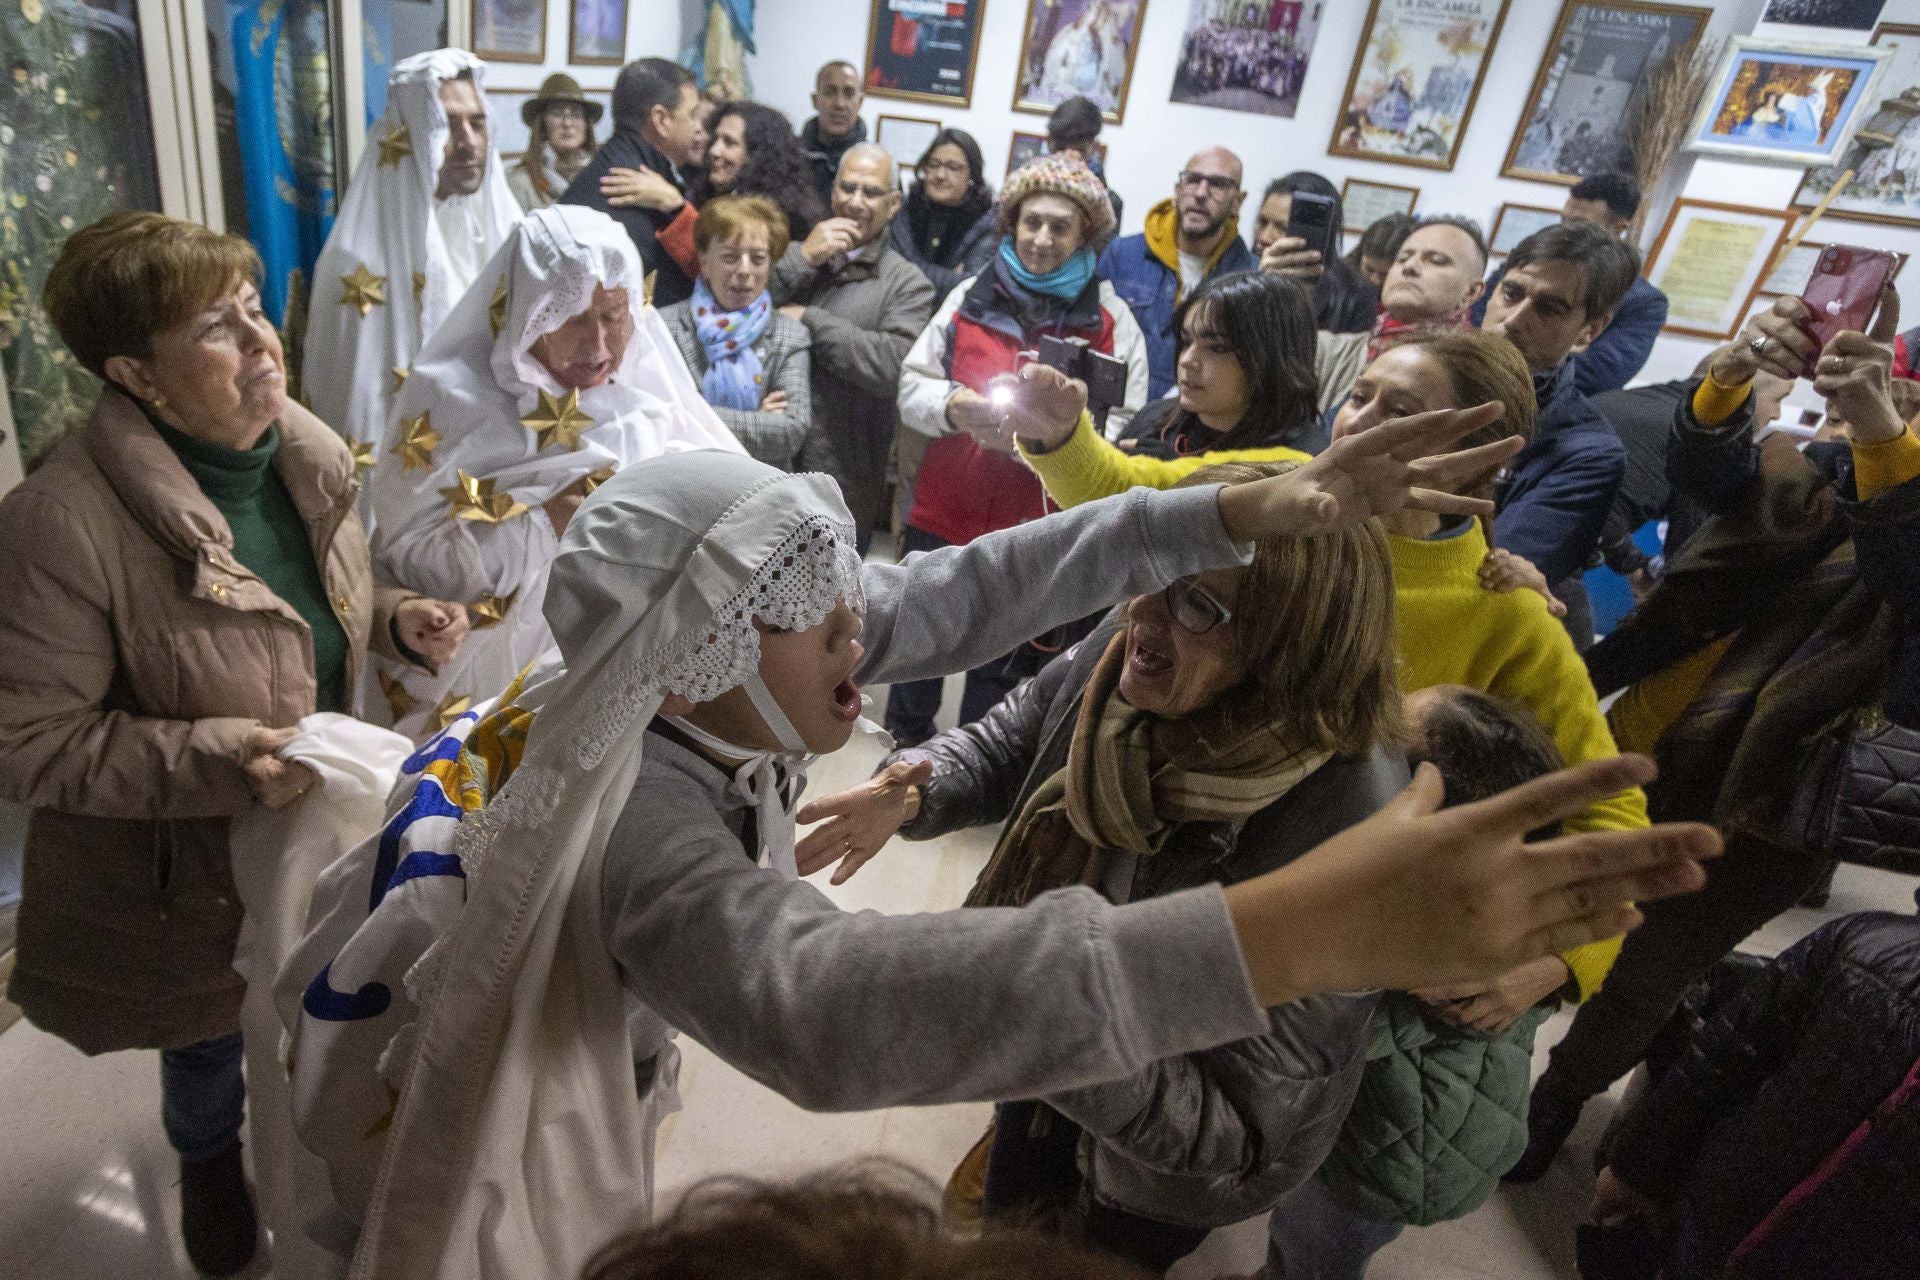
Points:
[(562, 112), (1213, 182), (944, 166), (1193, 608)]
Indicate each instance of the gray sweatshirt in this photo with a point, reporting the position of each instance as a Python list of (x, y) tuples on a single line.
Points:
[(842, 1011)]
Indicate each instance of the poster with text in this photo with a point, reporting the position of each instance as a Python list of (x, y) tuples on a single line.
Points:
[(1247, 56), (923, 50), (1590, 86), (1415, 80)]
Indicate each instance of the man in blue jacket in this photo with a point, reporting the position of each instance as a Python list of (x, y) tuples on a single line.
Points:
[(1188, 239), (1609, 201), (1558, 291)]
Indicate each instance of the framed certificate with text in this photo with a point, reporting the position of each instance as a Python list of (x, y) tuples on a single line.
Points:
[(1708, 260)]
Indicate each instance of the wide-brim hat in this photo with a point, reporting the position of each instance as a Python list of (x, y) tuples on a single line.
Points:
[(559, 87)]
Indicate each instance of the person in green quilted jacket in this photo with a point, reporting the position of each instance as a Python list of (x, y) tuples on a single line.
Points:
[(1442, 1107)]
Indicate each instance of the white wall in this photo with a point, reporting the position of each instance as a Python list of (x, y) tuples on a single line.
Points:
[(1147, 149)]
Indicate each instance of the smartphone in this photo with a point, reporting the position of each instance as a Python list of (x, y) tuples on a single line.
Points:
[(1844, 290), (1310, 218), (1105, 376)]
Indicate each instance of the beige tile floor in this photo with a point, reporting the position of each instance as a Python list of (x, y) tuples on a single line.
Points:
[(87, 1180)]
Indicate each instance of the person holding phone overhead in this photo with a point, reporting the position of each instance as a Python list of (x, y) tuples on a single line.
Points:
[(1189, 239), (1300, 239)]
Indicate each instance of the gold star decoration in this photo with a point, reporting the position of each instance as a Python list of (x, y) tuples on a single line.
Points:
[(363, 289), (646, 286), (362, 454), (417, 441), (451, 708), (597, 477), (396, 146), (490, 611), (497, 307), (400, 375), (474, 499), (399, 701), (558, 419), (419, 284)]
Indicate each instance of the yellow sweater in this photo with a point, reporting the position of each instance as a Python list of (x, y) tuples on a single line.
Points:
[(1087, 467), (1451, 631)]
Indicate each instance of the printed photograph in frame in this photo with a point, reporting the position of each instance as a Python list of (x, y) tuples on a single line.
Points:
[(1841, 15), (510, 30), (1363, 203), (1514, 223), (1026, 147), (1707, 260), (1415, 80), (1078, 49), (597, 32), (1590, 84), (905, 138), (1884, 154), (1246, 61), (1787, 102), (923, 50)]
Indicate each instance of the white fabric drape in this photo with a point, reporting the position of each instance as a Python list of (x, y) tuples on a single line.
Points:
[(472, 386), (386, 231)]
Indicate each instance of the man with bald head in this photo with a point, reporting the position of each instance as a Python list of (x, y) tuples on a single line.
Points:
[(863, 304), (836, 126), (1188, 239)]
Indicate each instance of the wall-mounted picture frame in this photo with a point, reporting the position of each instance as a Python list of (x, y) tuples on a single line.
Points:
[(510, 30), (1590, 84), (1078, 49), (1791, 271), (1027, 147), (1415, 80), (1841, 15), (905, 138), (1249, 61), (1514, 223), (923, 50), (1707, 260), (507, 125), (1787, 102), (1363, 203), (1884, 155), (597, 32)]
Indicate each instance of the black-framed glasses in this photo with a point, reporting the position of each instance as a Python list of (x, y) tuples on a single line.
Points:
[(1217, 183), (944, 166), (1194, 608)]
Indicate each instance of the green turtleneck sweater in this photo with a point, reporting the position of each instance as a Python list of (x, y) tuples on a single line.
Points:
[(270, 540)]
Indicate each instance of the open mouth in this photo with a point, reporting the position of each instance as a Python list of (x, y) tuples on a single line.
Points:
[(1144, 659), (846, 700)]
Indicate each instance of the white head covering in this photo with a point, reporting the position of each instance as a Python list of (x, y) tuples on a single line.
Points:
[(464, 417), (519, 1145), (384, 281)]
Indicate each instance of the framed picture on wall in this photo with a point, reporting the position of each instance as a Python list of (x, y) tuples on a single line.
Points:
[(1884, 155), (1077, 48), (1031, 146), (905, 138), (597, 32), (1415, 80), (923, 50), (1514, 223), (1590, 84), (1785, 101), (1708, 259), (1254, 63), (1791, 271), (510, 30), (1364, 203), (1843, 15)]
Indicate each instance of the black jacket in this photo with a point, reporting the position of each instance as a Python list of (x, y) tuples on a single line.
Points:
[(1770, 1085), (1554, 496), (825, 156), (961, 257), (628, 151)]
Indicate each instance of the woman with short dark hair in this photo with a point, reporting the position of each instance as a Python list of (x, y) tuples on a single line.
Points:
[(947, 226)]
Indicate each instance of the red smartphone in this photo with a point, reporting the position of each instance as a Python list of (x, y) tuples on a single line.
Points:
[(1844, 290)]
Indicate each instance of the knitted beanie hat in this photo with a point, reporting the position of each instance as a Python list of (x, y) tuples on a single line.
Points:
[(1058, 175)]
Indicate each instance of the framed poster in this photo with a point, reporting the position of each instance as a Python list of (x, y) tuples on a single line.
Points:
[(1707, 260), (1590, 84), (510, 30), (1843, 15), (1514, 223), (1239, 59), (923, 50), (905, 138), (1415, 79), (1364, 203), (597, 32), (1784, 101), (1075, 49), (1885, 152)]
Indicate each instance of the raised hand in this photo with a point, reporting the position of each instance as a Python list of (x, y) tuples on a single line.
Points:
[(1855, 374), (1774, 341), (1041, 406), (1289, 256), (828, 237), (1377, 472), (1417, 896), (857, 822)]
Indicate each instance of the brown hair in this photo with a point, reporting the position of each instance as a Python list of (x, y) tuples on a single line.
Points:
[(537, 146), (1484, 367), (727, 217), (129, 276), (877, 1220), (1314, 622)]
